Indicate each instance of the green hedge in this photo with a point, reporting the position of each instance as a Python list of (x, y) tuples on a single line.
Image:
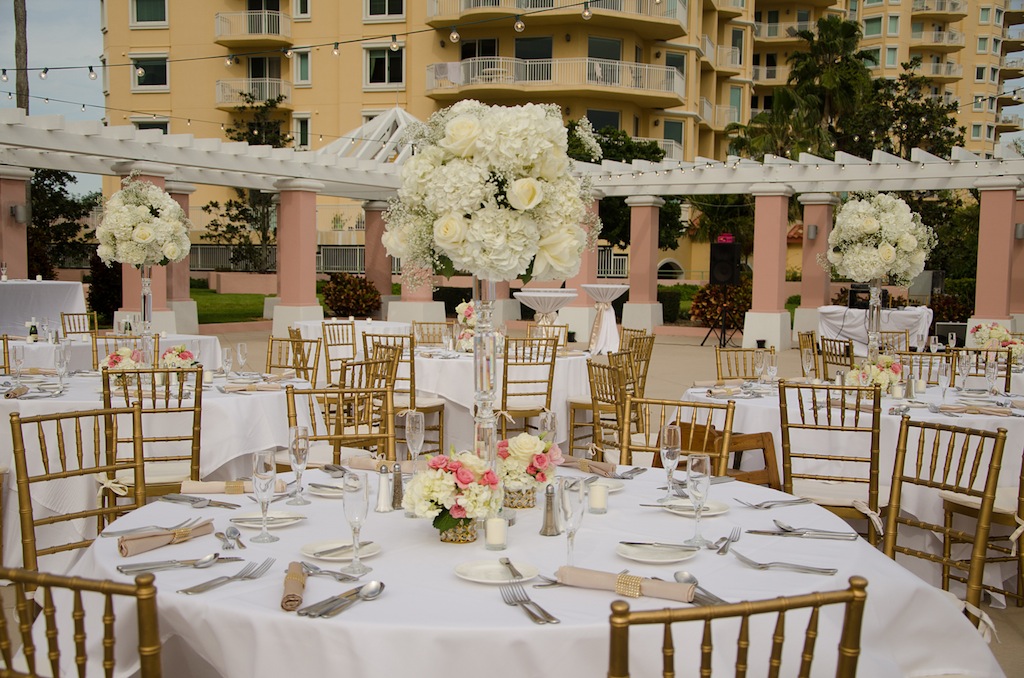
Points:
[(962, 288), (669, 299)]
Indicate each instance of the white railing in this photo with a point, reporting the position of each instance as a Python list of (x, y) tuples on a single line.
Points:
[(944, 6), (1016, 63), (1013, 33), (612, 264), (725, 115), (708, 47), (729, 57), (947, 70), (785, 30), (261, 89), (557, 72), (707, 110), (1015, 5), (655, 9), (1009, 119), (770, 73), (952, 38), (261, 22), (731, 4), (944, 97), (673, 149)]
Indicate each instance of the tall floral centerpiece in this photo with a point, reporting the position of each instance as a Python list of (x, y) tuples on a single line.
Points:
[(490, 191), (455, 490), (877, 237), (143, 226)]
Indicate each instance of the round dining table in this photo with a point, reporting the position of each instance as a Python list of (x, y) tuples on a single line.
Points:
[(206, 349), (441, 614)]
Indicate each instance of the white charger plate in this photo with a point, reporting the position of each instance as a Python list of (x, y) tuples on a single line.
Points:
[(322, 492), (654, 554), (684, 507), (283, 519), (367, 551), (493, 572)]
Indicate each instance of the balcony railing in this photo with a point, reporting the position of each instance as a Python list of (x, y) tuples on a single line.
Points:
[(1010, 119), (725, 115), (951, 38), (673, 149), (939, 6), (729, 57), (770, 73), (944, 98), (612, 264), (230, 92), (707, 110), (1014, 64), (708, 47), (1015, 33), (786, 30), (656, 9), (557, 72), (946, 70), (257, 23)]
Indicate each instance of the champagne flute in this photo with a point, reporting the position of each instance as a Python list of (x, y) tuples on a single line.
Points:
[(414, 433), (60, 363), (571, 503), (698, 482), (963, 368), (243, 353), (951, 340), (772, 366), (226, 360), (547, 426), (264, 477), (933, 344), (991, 373), (944, 377), (18, 352), (920, 343), (807, 355), (671, 446), (356, 496), (758, 364), (298, 454)]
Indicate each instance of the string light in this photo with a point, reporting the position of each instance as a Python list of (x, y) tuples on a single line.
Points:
[(288, 52), (587, 14), (229, 61), (83, 108), (43, 73), (92, 73), (335, 51), (189, 122), (519, 25), (454, 35), (394, 43), (140, 71), (3, 75)]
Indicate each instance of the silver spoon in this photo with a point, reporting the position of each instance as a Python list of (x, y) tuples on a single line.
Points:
[(199, 564), (317, 571), (234, 535), (789, 528), (684, 577), (225, 543), (934, 409), (370, 591)]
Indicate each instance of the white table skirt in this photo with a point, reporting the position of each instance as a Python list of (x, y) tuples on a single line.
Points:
[(545, 302), (604, 337), (21, 300), (840, 322), (428, 618)]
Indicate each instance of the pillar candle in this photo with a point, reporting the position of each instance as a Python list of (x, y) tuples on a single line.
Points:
[(598, 498), (496, 533)]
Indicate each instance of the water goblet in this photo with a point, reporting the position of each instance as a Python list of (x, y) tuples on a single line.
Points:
[(298, 454), (920, 343), (945, 372), (951, 340), (572, 506), (414, 433), (933, 344), (807, 355), (226, 360), (758, 364), (991, 373), (698, 482), (671, 446), (264, 477), (771, 366), (547, 426), (356, 497), (60, 363), (963, 368), (243, 353), (18, 354)]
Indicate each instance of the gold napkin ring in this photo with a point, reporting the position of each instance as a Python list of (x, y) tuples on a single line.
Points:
[(296, 577), (628, 585), (584, 465), (234, 487), (182, 534)]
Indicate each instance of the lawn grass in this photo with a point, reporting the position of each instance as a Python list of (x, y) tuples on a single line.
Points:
[(231, 308)]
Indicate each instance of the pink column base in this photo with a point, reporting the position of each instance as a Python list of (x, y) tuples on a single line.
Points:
[(13, 236)]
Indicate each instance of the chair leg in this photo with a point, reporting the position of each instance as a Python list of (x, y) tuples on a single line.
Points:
[(947, 547)]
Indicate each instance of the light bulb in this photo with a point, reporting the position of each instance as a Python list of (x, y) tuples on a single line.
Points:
[(335, 51), (83, 108), (3, 75), (519, 25), (587, 14), (43, 73), (229, 61), (454, 35), (189, 122), (140, 71), (394, 43), (92, 73), (288, 53)]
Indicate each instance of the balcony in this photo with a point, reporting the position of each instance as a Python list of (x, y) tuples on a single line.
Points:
[(729, 59), (770, 75), (1013, 39), (725, 115), (940, 10), (1011, 67), (673, 149), (649, 19), (707, 53), (945, 98), (648, 85), (253, 29), (782, 32), (729, 8), (939, 41), (1014, 12), (1008, 122), (945, 72), (231, 93)]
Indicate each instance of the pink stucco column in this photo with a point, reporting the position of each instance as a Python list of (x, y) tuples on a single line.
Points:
[(178, 273), (588, 269), (376, 260), (995, 246), (643, 248), (771, 223), (1017, 264), (296, 242), (814, 280), (13, 235)]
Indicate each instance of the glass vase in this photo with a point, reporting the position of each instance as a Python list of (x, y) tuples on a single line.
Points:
[(485, 375), (874, 320), (146, 307)]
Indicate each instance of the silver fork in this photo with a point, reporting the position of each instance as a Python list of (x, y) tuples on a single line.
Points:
[(250, 571), (509, 597), (806, 569), (765, 505), (150, 528), (523, 598), (733, 536)]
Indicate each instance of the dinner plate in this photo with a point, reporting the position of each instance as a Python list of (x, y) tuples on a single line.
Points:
[(684, 507), (493, 572), (33, 378), (654, 554), (324, 492), (280, 519), (245, 380), (612, 484), (367, 551)]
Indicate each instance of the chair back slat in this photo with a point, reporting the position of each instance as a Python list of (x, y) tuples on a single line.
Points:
[(79, 323), (925, 365), (339, 339), (837, 353), (737, 363), (559, 332), (432, 333)]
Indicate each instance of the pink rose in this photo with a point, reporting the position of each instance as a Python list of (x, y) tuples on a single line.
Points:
[(896, 368), (541, 477), (463, 477), (457, 511), (186, 355), (555, 454), (137, 356), (531, 470), (114, 360), (438, 462), (489, 478), (503, 453), (540, 461), (453, 465)]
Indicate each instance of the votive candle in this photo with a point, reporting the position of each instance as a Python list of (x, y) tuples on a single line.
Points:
[(598, 498)]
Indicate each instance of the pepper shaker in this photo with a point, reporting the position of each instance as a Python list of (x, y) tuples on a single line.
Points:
[(383, 491), (396, 486), (549, 528)]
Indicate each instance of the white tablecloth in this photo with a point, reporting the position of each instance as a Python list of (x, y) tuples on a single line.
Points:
[(40, 354), (428, 620), (840, 322), (604, 337), (21, 300), (545, 302)]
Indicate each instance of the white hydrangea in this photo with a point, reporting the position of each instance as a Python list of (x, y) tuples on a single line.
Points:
[(142, 226)]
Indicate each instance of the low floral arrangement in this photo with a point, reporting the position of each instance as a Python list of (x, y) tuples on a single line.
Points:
[(124, 358), (142, 226), (527, 461), (878, 237), (177, 357), (885, 373), (456, 488), (465, 314), (995, 335), (465, 319)]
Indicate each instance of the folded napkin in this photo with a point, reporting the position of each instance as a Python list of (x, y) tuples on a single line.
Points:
[(294, 584), (718, 382), (1019, 404), (233, 388), (16, 392), (625, 584), (976, 409), (287, 374), (601, 468), (130, 545), (371, 464), (222, 487), (46, 371), (723, 392)]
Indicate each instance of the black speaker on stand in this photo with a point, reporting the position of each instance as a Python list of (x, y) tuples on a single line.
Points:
[(724, 270)]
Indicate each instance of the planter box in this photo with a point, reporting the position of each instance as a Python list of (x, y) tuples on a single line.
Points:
[(226, 282)]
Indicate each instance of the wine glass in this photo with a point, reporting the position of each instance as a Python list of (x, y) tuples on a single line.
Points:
[(226, 360), (571, 503), (698, 482), (356, 496), (944, 376), (547, 426), (264, 477), (18, 354), (951, 340), (963, 368), (758, 364), (60, 363), (807, 355), (771, 366), (414, 433), (933, 344), (298, 454), (991, 373), (920, 343), (243, 353), (670, 449)]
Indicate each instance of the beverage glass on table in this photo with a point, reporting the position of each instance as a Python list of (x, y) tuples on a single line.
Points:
[(226, 360), (771, 362), (963, 368), (60, 362), (572, 507), (698, 482), (758, 364), (945, 372), (951, 340), (298, 454), (413, 434), (547, 425), (356, 496), (243, 353), (991, 373), (264, 477), (807, 355), (18, 355), (933, 344), (670, 448)]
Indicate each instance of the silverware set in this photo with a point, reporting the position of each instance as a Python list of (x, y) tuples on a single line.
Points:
[(515, 595), (151, 528), (630, 474), (336, 604), (733, 537), (777, 565), (249, 572), (765, 505), (197, 502)]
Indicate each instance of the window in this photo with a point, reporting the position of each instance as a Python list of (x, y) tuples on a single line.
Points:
[(851, 13), (979, 74), (873, 57), (601, 119), (990, 132), (152, 13), (873, 27), (539, 50), (302, 64), (149, 73), (737, 45), (869, 3), (384, 68), (979, 103), (600, 51), (998, 17), (153, 122), (997, 45), (984, 15), (484, 47), (982, 45), (891, 56), (991, 104), (894, 26), (300, 131), (300, 9), (993, 74), (976, 130), (676, 60), (378, 9)]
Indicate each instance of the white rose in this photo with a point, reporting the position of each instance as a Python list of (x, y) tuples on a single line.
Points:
[(449, 230), (886, 253), (524, 194), (143, 233), (907, 242), (558, 254), (869, 225), (460, 135), (553, 165), (524, 446), (172, 251), (835, 257), (105, 252)]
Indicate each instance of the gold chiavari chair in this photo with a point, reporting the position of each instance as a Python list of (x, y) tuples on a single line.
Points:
[(559, 332), (73, 616), (925, 365), (978, 357), (835, 352), (891, 341), (80, 323), (172, 406), (1008, 512), (299, 355), (608, 398), (946, 459), (406, 396), (5, 355), (841, 474), (627, 334), (642, 348), (431, 333), (808, 341), (343, 422), (339, 345), (737, 363), (699, 433), (848, 650), (527, 374), (73, 447), (105, 344)]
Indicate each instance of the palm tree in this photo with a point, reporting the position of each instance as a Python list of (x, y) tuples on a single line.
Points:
[(785, 130), (21, 54)]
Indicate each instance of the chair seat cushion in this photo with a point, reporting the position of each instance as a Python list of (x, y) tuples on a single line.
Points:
[(158, 472), (423, 402), (1006, 499), (836, 494), (580, 401), (526, 403)]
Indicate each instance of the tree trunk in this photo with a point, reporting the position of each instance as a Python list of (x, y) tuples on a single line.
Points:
[(21, 54)]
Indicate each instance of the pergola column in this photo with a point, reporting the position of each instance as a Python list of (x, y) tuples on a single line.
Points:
[(179, 274), (580, 312), (768, 318), (1017, 265), (819, 211), (643, 311), (13, 227), (164, 319), (296, 254), (376, 261), (995, 250)]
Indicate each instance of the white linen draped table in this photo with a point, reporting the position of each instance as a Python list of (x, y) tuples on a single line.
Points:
[(452, 379), (435, 617), (21, 300), (604, 337), (234, 425), (545, 302), (40, 353), (313, 329), (840, 322)]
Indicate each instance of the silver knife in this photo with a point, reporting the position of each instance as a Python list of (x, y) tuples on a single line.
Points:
[(328, 602), (339, 549), (660, 545), (807, 534), (320, 486), (270, 520), (139, 568)]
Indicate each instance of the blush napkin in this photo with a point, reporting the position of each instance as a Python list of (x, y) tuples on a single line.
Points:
[(224, 487), (282, 376), (605, 469), (134, 544), (233, 388), (294, 585), (717, 382), (723, 392), (16, 392), (975, 409), (606, 581)]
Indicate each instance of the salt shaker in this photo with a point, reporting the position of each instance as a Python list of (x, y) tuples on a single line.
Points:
[(396, 486), (549, 528), (383, 491)]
